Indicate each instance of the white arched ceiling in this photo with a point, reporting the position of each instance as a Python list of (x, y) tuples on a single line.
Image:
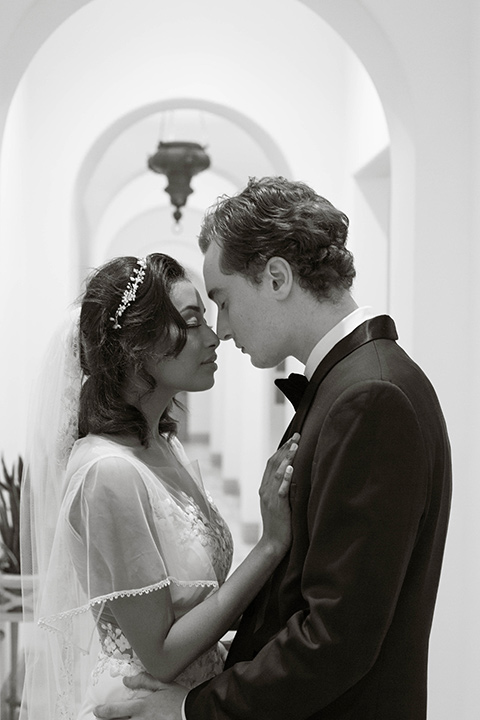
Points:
[(271, 79), (236, 148), (115, 185), (27, 25)]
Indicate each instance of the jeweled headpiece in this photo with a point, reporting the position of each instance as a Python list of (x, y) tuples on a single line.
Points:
[(136, 279)]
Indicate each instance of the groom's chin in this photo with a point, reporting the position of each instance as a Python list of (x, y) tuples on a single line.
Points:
[(262, 364)]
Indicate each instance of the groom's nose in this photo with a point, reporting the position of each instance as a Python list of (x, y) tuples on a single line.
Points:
[(223, 329)]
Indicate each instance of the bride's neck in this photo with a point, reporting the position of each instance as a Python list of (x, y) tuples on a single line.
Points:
[(152, 405)]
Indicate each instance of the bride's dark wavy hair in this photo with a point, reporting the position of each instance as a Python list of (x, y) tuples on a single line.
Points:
[(111, 357)]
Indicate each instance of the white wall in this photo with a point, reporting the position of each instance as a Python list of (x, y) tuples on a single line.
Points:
[(368, 187)]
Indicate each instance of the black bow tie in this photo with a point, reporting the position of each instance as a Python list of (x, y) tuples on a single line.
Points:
[(293, 387)]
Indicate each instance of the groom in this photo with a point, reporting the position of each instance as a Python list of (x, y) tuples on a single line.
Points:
[(341, 629)]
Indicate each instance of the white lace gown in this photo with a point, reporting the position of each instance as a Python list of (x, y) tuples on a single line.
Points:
[(126, 528)]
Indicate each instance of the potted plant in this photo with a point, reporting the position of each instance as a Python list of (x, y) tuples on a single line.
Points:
[(10, 577)]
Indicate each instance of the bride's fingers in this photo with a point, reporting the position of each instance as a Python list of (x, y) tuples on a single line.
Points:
[(292, 450), (285, 448), (115, 711), (274, 474), (292, 446), (284, 488), (143, 681), (286, 460), (295, 438)]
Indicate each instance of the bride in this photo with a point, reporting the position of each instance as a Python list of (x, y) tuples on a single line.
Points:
[(130, 551)]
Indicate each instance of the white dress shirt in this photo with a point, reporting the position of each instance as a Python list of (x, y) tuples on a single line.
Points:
[(333, 336)]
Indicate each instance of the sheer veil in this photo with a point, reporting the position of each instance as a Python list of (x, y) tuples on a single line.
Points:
[(52, 431)]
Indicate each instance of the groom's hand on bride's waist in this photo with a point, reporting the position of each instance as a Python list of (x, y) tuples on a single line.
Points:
[(163, 703)]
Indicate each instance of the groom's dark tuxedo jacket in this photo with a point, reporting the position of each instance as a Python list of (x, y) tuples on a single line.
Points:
[(341, 628)]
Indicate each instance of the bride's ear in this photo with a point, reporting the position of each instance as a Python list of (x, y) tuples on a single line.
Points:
[(279, 277)]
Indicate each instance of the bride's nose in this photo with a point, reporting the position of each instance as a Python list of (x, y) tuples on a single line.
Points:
[(212, 339)]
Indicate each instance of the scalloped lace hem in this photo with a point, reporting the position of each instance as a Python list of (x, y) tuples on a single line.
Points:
[(47, 622)]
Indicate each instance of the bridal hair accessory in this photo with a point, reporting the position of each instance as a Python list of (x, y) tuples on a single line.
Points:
[(130, 292)]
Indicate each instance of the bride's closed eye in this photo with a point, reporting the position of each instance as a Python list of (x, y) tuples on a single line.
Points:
[(197, 323)]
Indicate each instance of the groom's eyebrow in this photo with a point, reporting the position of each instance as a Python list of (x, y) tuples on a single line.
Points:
[(211, 293)]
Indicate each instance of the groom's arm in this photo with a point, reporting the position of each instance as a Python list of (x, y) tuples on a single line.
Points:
[(366, 501)]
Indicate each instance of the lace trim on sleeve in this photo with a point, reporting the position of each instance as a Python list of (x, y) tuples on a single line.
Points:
[(49, 622)]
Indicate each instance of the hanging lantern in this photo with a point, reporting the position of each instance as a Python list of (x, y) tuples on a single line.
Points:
[(179, 161)]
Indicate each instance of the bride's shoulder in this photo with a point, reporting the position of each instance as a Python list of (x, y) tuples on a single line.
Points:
[(104, 455), (109, 471), (99, 445)]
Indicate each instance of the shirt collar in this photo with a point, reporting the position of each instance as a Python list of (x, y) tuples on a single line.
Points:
[(333, 336)]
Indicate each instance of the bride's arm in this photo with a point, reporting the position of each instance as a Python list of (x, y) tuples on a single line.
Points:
[(166, 647)]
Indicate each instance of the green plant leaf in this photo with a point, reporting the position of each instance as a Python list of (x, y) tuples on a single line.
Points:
[(10, 493)]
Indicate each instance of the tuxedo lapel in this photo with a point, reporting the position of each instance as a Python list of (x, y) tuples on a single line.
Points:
[(378, 327)]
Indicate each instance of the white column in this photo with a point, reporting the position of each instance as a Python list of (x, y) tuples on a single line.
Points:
[(255, 445)]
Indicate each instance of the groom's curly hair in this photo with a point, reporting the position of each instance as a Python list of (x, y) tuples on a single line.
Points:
[(111, 357), (272, 217)]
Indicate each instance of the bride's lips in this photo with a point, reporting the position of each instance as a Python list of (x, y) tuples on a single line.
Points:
[(210, 360)]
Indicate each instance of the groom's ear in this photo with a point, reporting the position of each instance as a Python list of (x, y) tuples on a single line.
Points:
[(278, 276)]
